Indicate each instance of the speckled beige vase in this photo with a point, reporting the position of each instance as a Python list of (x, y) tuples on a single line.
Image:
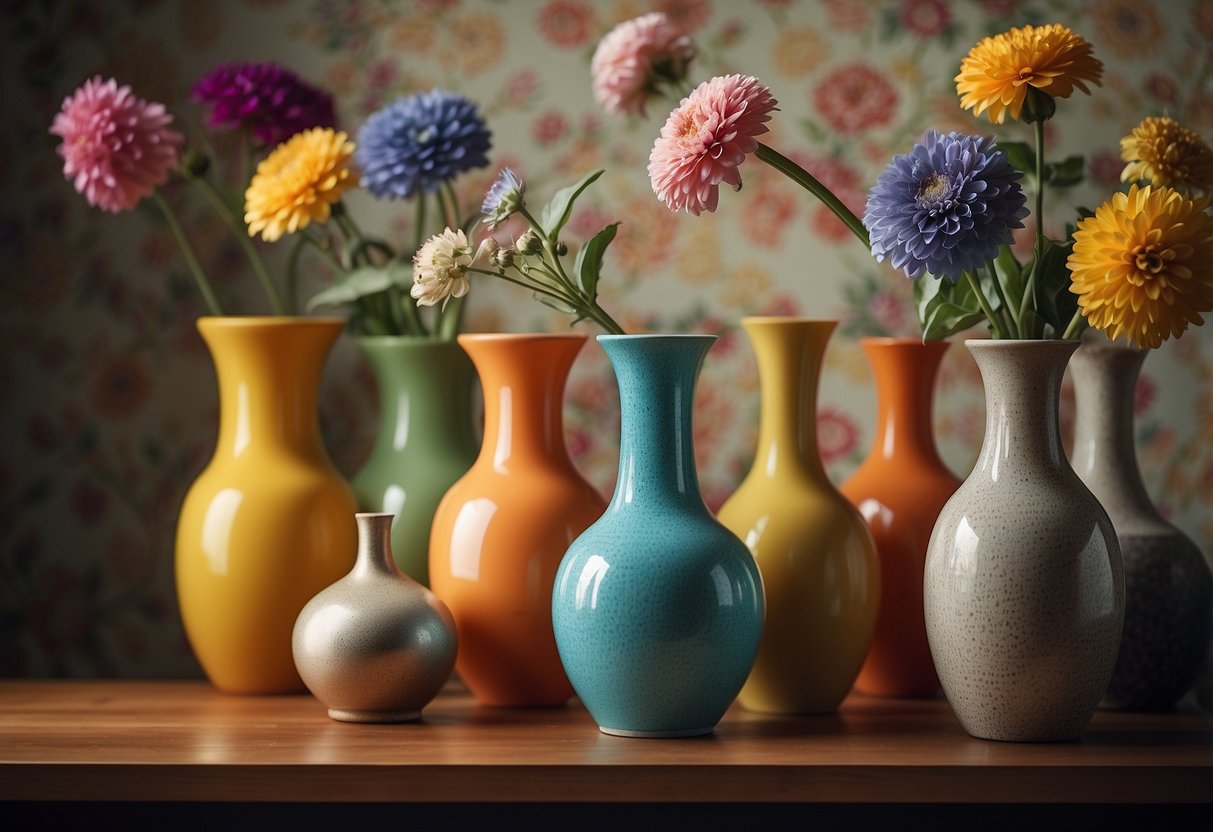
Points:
[(1168, 585), (376, 646), (1023, 591)]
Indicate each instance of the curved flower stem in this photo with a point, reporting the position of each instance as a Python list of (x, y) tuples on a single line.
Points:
[(985, 304), (240, 232), (327, 251), (1076, 325), (550, 291), (451, 318), (191, 259), (419, 222), (1007, 315), (807, 181), (1029, 292)]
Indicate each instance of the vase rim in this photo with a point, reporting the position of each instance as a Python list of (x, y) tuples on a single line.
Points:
[(521, 336), (902, 340), (787, 319), (990, 343), (265, 321), (658, 336), (401, 339)]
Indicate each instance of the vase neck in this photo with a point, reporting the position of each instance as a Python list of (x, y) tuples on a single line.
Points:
[(1105, 455), (789, 354), (523, 378), (425, 393), (269, 373), (374, 545), (905, 371), (1022, 381), (657, 375)]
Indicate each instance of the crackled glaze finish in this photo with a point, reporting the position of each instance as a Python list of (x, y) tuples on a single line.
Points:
[(658, 608), (1023, 591), (376, 646), (1168, 584)]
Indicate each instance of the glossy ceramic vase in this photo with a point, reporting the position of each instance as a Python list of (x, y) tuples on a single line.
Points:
[(1168, 586), (269, 522), (1023, 591), (899, 489), (658, 608), (500, 532), (376, 646), (426, 438), (815, 553)]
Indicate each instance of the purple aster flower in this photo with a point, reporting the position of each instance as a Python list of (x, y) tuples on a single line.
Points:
[(267, 98), (945, 207), (415, 143), (503, 198)]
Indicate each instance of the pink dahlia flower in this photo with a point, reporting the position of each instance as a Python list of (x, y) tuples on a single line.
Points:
[(116, 148), (635, 58), (705, 140)]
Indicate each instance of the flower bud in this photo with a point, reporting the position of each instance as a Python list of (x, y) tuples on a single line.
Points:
[(529, 243), (504, 258)]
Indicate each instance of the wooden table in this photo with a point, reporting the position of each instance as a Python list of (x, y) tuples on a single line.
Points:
[(182, 741)]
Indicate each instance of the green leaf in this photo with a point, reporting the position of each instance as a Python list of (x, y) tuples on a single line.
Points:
[(361, 283), (557, 212), (1056, 304), (1020, 155), (588, 264), (1067, 173), (557, 304), (945, 308)]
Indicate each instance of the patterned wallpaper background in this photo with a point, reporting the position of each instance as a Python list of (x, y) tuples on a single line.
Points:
[(107, 400)]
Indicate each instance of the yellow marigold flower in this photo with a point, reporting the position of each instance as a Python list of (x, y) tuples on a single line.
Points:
[(1164, 152), (999, 71), (1142, 266), (299, 182)]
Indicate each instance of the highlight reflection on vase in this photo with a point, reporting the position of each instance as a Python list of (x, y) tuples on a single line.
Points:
[(501, 530)]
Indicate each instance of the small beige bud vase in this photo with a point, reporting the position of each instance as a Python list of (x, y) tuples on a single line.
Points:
[(376, 646)]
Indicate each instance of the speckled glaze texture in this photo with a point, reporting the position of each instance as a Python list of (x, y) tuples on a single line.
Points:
[(658, 608), (1168, 585), (426, 439), (1023, 588), (900, 488), (376, 646), (812, 546), (501, 531)]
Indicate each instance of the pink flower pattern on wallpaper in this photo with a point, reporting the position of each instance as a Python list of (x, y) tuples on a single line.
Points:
[(110, 391)]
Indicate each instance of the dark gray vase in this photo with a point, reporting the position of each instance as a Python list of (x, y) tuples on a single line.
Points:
[(1168, 584)]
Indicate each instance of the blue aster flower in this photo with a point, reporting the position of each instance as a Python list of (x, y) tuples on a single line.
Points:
[(945, 207), (503, 198), (415, 143)]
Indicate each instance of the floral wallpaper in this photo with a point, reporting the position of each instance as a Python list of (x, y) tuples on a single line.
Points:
[(107, 399)]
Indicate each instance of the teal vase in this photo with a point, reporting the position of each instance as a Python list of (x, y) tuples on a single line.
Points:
[(657, 608), (426, 438)]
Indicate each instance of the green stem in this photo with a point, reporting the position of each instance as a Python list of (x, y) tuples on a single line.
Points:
[(806, 180), (543, 290), (1007, 316), (292, 275), (1029, 292), (240, 232), (450, 319), (327, 251), (187, 251), (1076, 325), (419, 229), (985, 304)]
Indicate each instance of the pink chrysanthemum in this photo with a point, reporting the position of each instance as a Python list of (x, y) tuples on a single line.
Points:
[(706, 138), (116, 148), (635, 59)]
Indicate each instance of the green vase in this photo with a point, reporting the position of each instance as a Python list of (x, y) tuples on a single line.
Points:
[(426, 438)]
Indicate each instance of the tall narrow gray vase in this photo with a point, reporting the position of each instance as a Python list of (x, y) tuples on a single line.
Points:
[(1023, 590), (1168, 585)]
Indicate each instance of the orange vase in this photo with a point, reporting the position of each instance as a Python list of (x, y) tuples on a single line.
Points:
[(501, 530), (900, 489)]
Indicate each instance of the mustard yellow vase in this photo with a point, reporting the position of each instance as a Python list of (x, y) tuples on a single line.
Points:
[(270, 521), (814, 550)]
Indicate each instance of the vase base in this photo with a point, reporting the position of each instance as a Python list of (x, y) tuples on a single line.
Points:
[(653, 735), (374, 716)]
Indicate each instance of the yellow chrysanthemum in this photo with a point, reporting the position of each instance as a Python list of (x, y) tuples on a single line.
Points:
[(299, 182), (1164, 152), (998, 72), (1142, 267)]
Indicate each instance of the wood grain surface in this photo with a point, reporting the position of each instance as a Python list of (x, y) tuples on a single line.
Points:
[(185, 741)]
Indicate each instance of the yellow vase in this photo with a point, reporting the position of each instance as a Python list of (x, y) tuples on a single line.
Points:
[(813, 548), (269, 522)]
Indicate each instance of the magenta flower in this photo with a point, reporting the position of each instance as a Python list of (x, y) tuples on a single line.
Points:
[(266, 98), (116, 149), (706, 138), (636, 59)]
